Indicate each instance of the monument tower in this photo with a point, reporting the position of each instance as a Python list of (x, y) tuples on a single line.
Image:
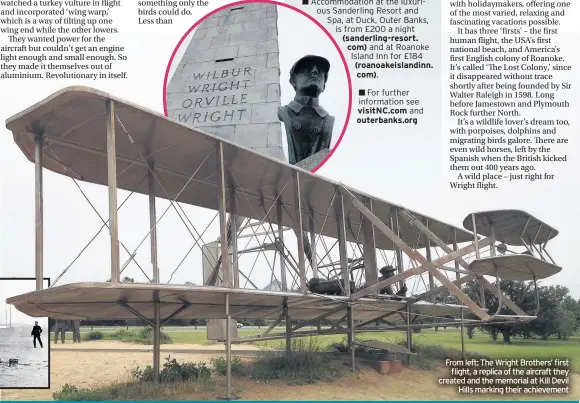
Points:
[(228, 80), (228, 83)]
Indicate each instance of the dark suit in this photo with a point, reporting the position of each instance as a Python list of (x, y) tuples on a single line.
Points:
[(36, 330)]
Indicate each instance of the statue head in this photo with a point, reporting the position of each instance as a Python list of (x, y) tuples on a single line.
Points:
[(36, 322), (309, 74)]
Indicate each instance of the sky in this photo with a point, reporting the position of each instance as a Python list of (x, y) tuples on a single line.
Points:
[(406, 165), (11, 287)]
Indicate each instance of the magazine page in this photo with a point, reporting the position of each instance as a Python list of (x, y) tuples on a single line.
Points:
[(301, 199)]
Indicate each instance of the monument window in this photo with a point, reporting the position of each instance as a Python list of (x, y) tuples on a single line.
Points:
[(224, 60), (237, 8)]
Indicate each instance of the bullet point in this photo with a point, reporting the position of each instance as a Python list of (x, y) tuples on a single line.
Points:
[(305, 2), (361, 92)]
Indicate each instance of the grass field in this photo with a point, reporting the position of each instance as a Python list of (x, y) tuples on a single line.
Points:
[(481, 343)]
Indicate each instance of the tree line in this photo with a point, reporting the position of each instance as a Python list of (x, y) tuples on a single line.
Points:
[(558, 315)]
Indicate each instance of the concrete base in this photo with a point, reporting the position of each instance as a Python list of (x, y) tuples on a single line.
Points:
[(216, 329), (314, 160), (388, 367)]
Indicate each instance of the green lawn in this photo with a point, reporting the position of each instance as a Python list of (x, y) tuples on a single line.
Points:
[(481, 343)]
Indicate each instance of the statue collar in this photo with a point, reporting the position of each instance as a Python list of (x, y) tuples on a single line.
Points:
[(301, 101)]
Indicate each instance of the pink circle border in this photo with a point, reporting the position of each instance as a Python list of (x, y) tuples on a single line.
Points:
[(345, 64)]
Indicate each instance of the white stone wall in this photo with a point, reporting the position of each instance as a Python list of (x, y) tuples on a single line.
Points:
[(236, 99)]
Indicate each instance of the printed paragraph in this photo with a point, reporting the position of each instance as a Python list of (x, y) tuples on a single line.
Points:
[(162, 12), (388, 107), (508, 376), (70, 39), (509, 108), (382, 35), (395, 40)]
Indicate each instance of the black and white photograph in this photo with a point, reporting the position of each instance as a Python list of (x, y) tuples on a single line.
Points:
[(24, 341)]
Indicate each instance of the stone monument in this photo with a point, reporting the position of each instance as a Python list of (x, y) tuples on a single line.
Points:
[(62, 326), (210, 254), (308, 125), (216, 328), (228, 81), (76, 328)]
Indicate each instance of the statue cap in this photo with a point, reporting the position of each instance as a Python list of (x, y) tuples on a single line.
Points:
[(310, 60)]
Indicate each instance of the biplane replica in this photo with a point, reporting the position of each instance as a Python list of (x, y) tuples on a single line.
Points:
[(94, 137)]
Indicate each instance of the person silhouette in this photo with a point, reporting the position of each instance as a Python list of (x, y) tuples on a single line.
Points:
[(36, 330)]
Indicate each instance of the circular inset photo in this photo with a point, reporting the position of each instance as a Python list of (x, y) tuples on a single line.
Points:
[(266, 76)]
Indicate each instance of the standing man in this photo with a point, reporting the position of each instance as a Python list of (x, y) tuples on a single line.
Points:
[(36, 330)]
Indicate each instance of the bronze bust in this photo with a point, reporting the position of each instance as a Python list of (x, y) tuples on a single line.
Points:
[(308, 125)]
